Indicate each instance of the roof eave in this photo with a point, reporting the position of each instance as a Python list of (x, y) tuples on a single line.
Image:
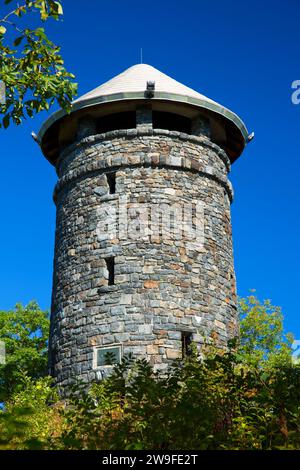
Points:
[(203, 104)]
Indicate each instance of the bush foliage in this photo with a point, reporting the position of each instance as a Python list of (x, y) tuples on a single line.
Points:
[(247, 397)]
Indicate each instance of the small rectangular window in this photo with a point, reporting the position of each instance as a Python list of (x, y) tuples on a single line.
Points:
[(110, 265), (111, 181), (108, 356), (186, 340)]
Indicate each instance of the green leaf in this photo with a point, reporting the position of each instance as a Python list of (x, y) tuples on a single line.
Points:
[(59, 8), (18, 40), (6, 121)]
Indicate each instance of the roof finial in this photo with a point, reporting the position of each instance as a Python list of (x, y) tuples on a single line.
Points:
[(141, 55)]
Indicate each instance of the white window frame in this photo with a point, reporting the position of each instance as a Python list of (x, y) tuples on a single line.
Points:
[(111, 346)]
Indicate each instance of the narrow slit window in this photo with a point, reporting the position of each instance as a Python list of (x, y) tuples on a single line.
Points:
[(186, 340), (233, 287), (111, 181), (110, 265)]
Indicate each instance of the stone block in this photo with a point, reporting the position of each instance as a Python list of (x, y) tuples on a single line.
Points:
[(149, 284), (173, 354)]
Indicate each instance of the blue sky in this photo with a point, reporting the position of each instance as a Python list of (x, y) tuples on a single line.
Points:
[(244, 55)]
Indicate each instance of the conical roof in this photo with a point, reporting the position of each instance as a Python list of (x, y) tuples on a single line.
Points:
[(135, 79), (129, 87)]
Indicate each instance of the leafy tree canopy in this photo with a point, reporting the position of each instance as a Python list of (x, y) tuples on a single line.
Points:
[(24, 331), (31, 66), (262, 338)]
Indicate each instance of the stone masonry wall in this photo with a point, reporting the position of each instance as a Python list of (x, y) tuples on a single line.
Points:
[(165, 282)]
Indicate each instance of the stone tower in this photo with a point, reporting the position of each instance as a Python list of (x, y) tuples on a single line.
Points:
[(143, 251)]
